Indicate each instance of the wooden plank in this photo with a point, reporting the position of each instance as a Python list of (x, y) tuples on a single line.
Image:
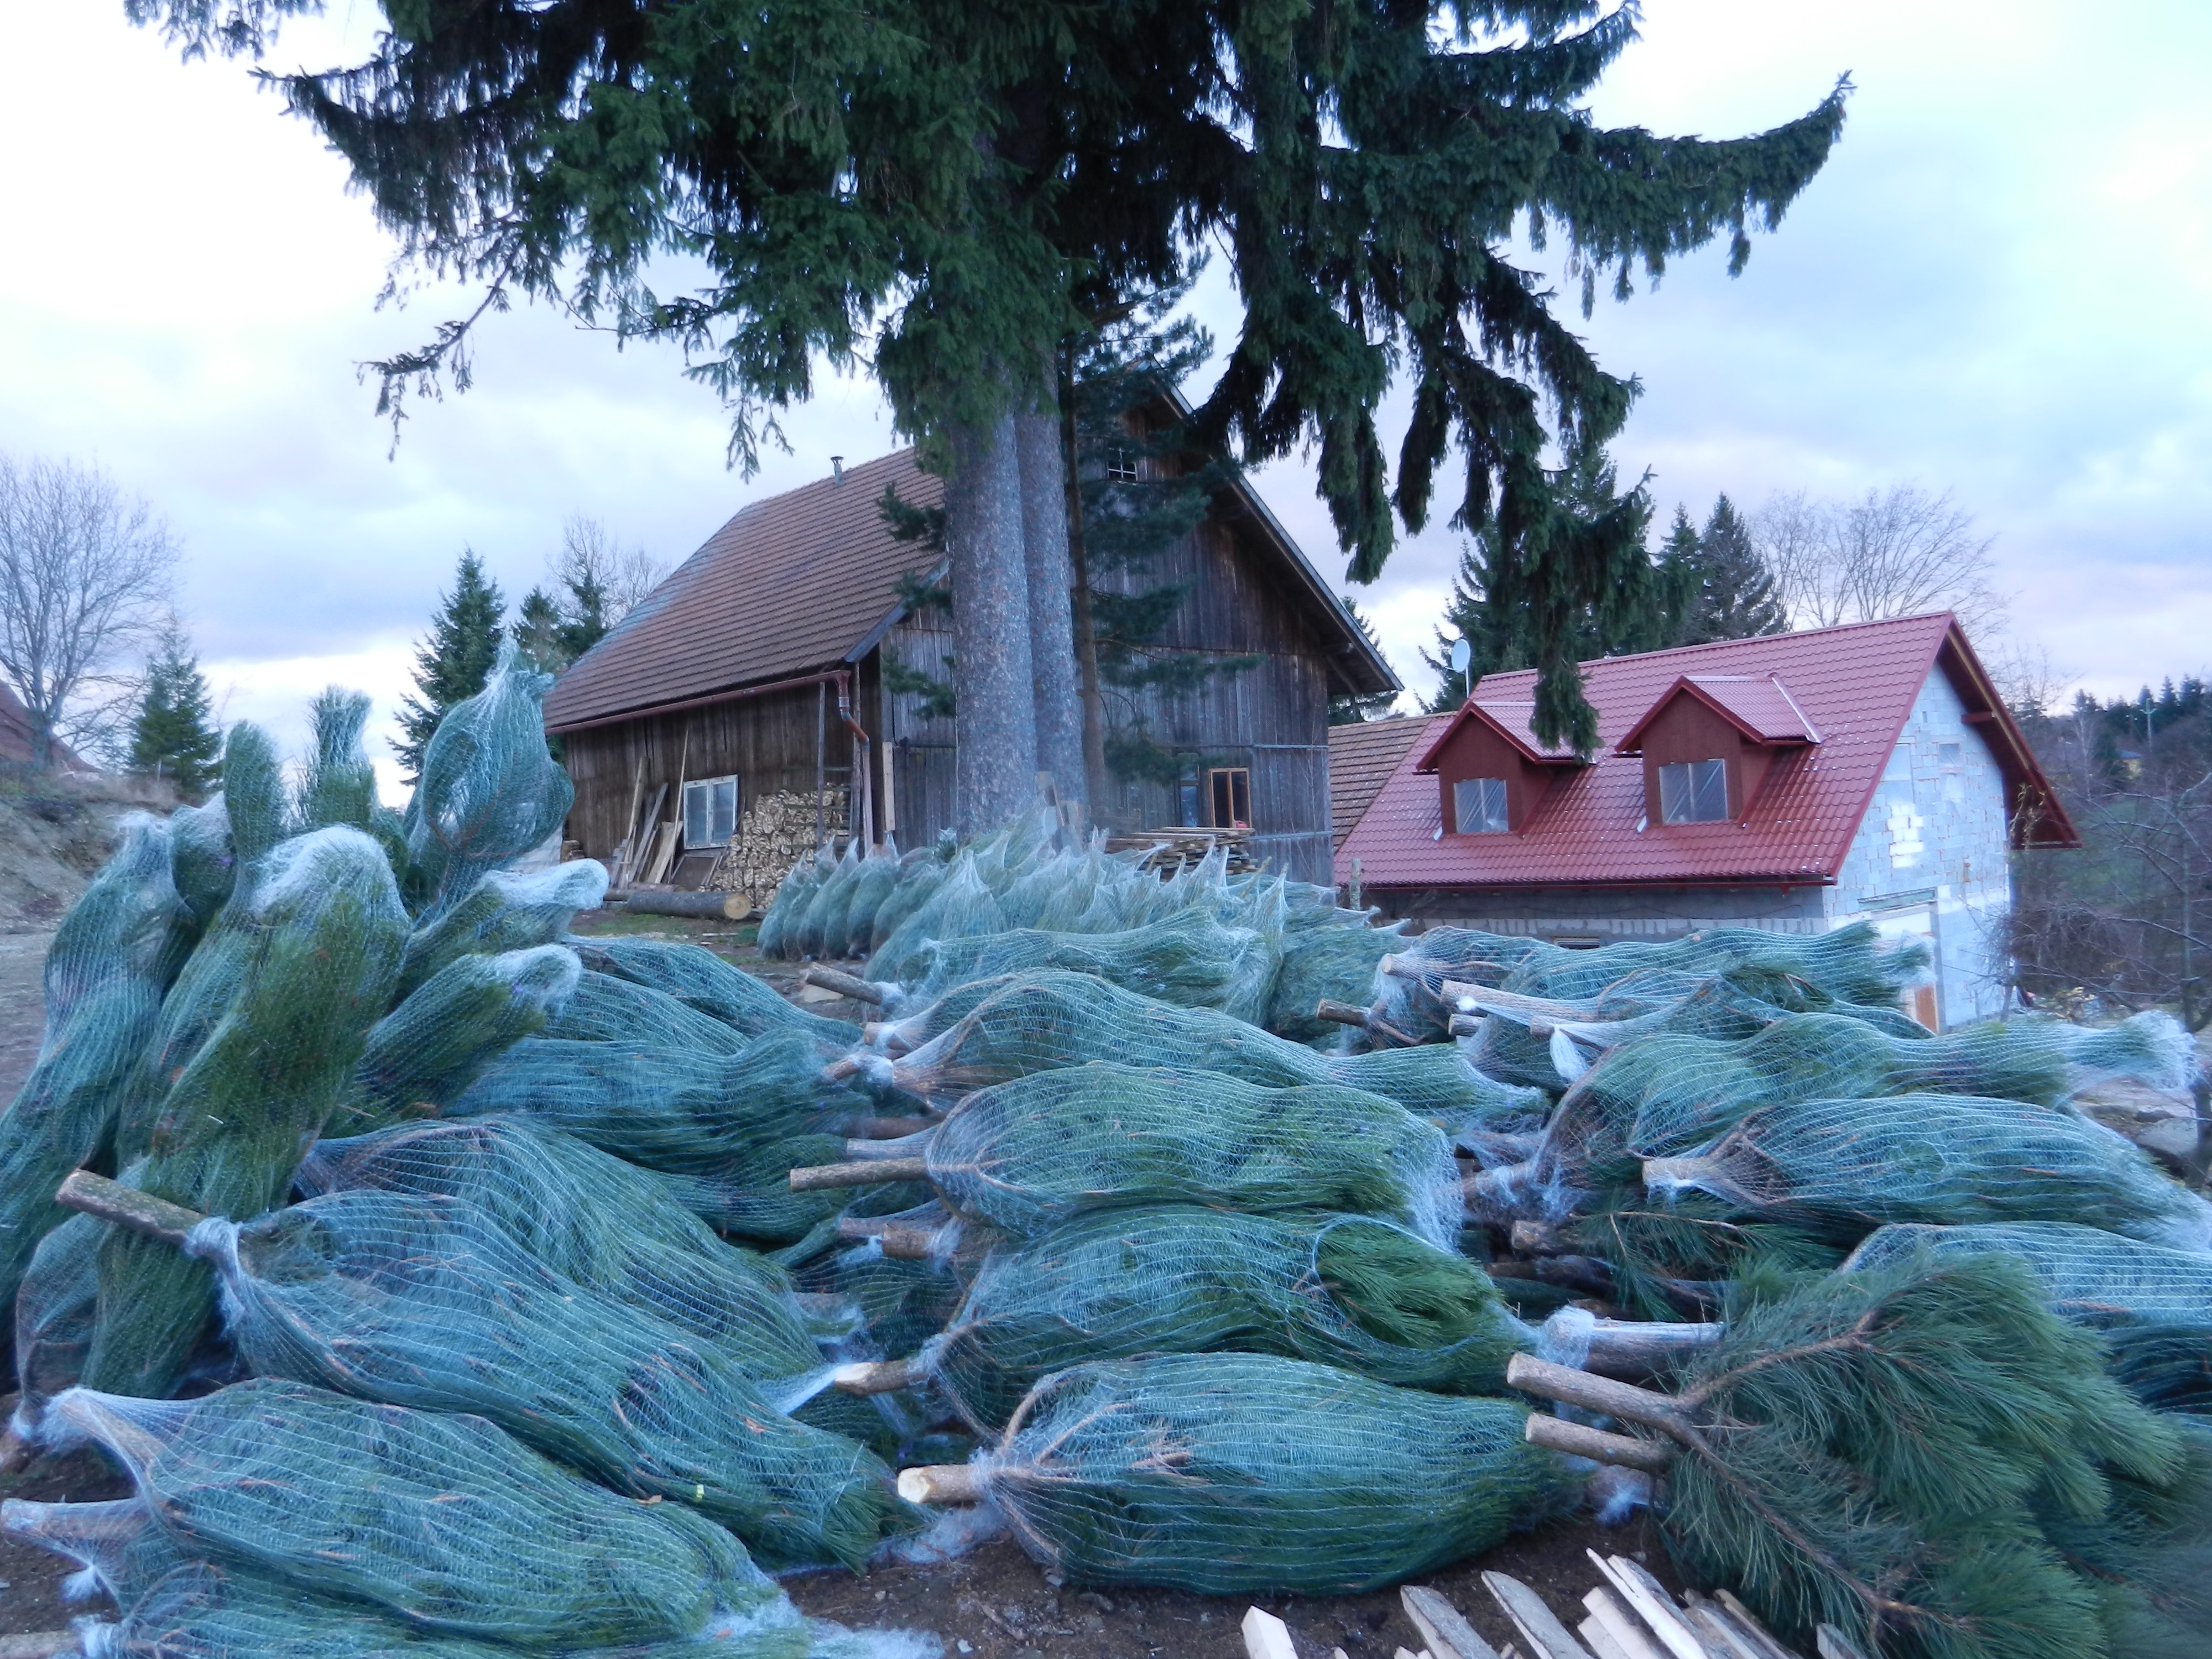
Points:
[(1748, 1621), (1715, 1631), (1600, 1640), (1446, 1634), (1608, 1612), (1266, 1637), (1649, 1597), (1547, 1638), (1834, 1644)]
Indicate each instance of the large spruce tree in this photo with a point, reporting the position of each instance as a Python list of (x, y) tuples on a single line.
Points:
[(939, 182), (173, 734), (454, 661), (1735, 597)]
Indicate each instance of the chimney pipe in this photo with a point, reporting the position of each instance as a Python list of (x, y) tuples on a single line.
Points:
[(836, 468)]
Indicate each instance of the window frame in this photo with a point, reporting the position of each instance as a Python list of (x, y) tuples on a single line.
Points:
[(1692, 791), (1228, 787), (735, 783), (1489, 791)]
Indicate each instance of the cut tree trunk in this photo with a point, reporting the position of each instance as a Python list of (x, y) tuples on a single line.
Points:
[(1052, 624), (1093, 699), (994, 723)]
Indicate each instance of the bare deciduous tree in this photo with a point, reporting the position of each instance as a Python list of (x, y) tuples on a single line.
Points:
[(85, 578), (1895, 552), (590, 556)]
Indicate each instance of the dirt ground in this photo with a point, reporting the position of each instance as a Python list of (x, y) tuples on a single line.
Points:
[(994, 1603)]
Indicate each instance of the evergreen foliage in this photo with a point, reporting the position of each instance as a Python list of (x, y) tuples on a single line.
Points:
[(173, 736), (1350, 707), (453, 665), (930, 182), (1735, 597), (554, 630)]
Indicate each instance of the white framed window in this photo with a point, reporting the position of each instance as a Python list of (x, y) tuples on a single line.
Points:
[(1478, 807), (710, 812), (1122, 465), (1693, 791)]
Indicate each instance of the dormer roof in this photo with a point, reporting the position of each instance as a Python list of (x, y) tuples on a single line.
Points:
[(1845, 693), (1758, 705), (1510, 719)]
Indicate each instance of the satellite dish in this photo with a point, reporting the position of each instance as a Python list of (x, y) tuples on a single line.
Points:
[(1462, 654)]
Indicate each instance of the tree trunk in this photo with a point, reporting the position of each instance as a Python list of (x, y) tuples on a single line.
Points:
[(1093, 702), (995, 722), (1051, 582)]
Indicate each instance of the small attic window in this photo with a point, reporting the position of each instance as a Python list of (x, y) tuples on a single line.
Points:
[(1478, 807), (1693, 791), (1122, 465)]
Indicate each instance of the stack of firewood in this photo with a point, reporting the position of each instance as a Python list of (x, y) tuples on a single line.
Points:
[(775, 832)]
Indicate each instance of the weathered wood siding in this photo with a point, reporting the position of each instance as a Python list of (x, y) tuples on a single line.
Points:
[(1270, 718), (768, 741)]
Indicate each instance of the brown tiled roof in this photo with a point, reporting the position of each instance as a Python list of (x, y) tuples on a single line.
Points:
[(789, 585), (800, 582), (1855, 685), (1361, 758)]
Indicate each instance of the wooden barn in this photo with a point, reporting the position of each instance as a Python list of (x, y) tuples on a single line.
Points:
[(752, 681)]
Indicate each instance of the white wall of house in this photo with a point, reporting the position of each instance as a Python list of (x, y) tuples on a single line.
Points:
[(1931, 859)]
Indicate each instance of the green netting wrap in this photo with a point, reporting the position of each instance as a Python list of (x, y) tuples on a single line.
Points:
[(2153, 1304), (698, 978), (253, 800), (1410, 994), (879, 876), (1349, 1291), (445, 1521), (423, 1055), (1851, 964), (1439, 1083), (120, 1549), (199, 858), (589, 1217), (1659, 1096), (961, 906), (1028, 1155), (1335, 962), (605, 1009), (790, 901), (2089, 1276), (677, 1109), (1551, 1043), (1880, 1451), (1845, 1167), (328, 928), (429, 1304), (822, 928), (508, 910), (54, 1311), (112, 958), (1189, 959), (337, 784), (488, 792), (920, 872), (1232, 1474)]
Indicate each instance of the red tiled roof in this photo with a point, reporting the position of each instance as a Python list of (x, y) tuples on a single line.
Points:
[(1514, 722), (788, 585), (1758, 706), (1361, 757), (1855, 685)]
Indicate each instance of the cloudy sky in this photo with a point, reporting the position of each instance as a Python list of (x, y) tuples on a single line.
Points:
[(1998, 287)]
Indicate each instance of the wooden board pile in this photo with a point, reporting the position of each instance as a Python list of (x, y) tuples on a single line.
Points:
[(775, 832)]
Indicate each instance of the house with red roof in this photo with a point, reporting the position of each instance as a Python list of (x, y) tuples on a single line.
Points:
[(1794, 781)]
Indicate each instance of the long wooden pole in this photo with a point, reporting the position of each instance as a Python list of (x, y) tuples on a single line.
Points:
[(821, 738)]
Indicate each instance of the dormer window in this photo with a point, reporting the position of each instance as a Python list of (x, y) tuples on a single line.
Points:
[(1480, 807), (1693, 791)]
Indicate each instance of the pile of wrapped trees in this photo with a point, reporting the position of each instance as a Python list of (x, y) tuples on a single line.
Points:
[(439, 1275)]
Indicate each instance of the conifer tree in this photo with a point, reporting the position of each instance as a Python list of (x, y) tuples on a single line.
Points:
[(1736, 597), (929, 182), (454, 662), (174, 735), (1351, 708)]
